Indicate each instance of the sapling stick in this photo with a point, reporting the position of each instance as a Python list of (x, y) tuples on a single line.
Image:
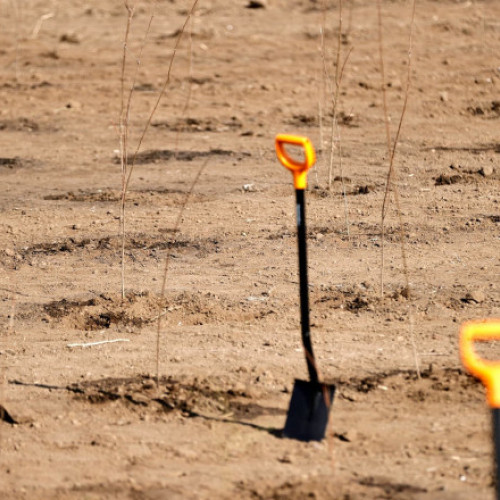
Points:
[(392, 181), (190, 85), (335, 93), (167, 264), (162, 91), (124, 138), (125, 111)]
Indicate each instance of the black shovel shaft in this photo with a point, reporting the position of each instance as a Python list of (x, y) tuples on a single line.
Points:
[(304, 286), (496, 439)]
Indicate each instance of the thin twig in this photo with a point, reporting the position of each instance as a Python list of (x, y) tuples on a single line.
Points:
[(125, 111), (392, 178), (190, 87), (387, 133), (100, 342), (162, 91), (322, 93), (123, 131), (167, 264), (38, 25)]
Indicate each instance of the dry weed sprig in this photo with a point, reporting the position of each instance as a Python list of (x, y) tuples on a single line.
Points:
[(162, 91), (335, 135), (127, 168), (190, 85), (323, 89), (177, 224), (17, 37), (392, 176), (125, 117), (123, 135)]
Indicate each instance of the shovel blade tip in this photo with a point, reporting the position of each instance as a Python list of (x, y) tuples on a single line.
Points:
[(309, 411)]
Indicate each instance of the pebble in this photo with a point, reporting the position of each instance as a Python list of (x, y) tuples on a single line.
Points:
[(69, 38), (476, 296), (9, 252), (257, 4), (286, 459), (486, 171)]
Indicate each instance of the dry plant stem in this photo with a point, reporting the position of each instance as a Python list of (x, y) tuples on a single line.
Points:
[(344, 194), (190, 85), (322, 92), (167, 264), (125, 117), (339, 73), (17, 37), (335, 96), (124, 139), (162, 91), (336, 127), (387, 133), (392, 180)]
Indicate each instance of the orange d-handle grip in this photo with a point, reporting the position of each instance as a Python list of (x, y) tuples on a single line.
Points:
[(487, 371), (298, 169)]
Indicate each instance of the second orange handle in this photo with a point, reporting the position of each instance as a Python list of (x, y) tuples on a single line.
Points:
[(487, 371), (298, 169)]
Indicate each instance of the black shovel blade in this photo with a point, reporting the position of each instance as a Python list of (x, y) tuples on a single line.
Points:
[(310, 405)]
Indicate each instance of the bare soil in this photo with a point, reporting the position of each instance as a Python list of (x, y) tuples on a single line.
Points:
[(92, 422)]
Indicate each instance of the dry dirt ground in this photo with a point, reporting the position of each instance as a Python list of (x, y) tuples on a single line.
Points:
[(90, 421)]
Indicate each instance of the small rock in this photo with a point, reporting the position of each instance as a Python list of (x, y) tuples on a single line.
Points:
[(69, 38), (138, 398), (73, 105), (444, 96), (486, 171), (286, 459), (476, 296), (257, 4), (238, 389), (10, 253), (347, 436)]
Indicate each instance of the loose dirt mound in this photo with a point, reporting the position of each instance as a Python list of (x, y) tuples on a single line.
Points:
[(140, 309), (165, 197), (193, 398)]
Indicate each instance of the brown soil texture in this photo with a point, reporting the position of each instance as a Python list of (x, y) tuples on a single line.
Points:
[(95, 403)]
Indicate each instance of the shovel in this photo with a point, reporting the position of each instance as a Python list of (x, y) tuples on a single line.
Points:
[(488, 372), (309, 409)]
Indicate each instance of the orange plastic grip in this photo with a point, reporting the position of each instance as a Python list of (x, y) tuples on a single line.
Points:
[(298, 169), (487, 371)]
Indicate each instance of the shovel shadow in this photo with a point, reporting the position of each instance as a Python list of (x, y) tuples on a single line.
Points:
[(273, 431)]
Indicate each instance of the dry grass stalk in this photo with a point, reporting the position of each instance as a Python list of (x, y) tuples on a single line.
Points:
[(161, 314), (162, 91), (185, 108), (334, 90), (392, 175), (128, 167), (123, 133)]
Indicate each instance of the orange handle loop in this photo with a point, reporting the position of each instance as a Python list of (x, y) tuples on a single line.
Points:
[(298, 169), (487, 371)]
